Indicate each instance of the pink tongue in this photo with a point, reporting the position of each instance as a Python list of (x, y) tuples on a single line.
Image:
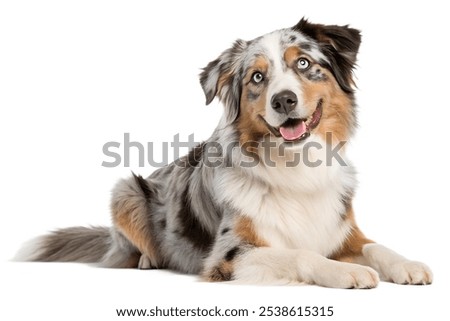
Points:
[(293, 133)]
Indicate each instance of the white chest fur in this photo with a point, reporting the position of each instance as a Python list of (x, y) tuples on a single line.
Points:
[(297, 207)]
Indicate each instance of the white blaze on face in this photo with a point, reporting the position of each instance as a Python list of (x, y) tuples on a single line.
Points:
[(281, 78)]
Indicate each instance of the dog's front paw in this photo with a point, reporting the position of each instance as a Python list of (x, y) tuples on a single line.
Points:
[(348, 276), (410, 272)]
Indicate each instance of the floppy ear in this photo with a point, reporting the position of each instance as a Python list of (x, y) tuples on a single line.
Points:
[(222, 78), (340, 45)]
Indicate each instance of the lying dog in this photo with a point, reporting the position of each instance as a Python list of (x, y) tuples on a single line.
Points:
[(241, 206)]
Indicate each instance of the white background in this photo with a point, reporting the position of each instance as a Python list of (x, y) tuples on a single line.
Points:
[(77, 74)]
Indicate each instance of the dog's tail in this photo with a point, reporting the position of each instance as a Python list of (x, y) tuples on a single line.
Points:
[(74, 244), (101, 245)]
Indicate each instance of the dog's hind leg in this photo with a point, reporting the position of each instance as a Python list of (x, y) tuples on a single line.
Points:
[(121, 253), (128, 244), (132, 218)]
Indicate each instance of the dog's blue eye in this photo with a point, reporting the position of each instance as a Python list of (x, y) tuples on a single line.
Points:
[(303, 63), (257, 77)]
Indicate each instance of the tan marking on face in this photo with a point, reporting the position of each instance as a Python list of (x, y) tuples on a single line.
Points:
[(250, 127), (337, 116), (352, 247), (291, 54), (129, 218), (245, 229)]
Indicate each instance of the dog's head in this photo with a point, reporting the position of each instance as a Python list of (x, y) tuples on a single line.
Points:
[(289, 83)]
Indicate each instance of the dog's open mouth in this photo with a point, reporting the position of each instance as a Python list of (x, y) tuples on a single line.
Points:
[(297, 129)]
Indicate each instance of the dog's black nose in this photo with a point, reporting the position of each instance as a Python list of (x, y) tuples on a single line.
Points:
[(284, 102)]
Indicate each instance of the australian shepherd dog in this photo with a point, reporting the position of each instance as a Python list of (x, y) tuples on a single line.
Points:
[(268, 197)]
